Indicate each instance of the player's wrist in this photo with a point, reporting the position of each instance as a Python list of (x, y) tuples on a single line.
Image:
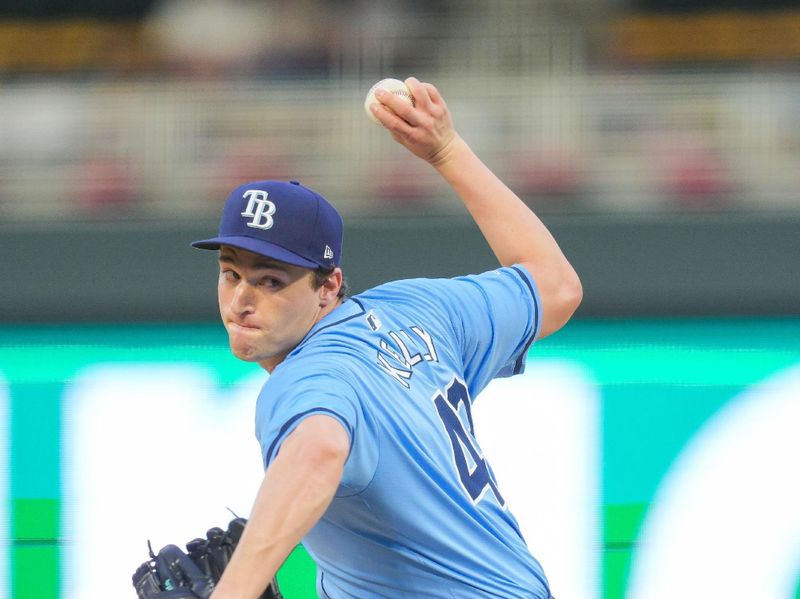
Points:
[(448, 152)]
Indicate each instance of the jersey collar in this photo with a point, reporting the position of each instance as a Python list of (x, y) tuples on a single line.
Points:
[(350, 308)]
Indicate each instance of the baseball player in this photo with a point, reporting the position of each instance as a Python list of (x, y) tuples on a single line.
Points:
[(365, 422)]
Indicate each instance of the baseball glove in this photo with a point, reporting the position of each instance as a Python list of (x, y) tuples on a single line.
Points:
[(176, 574)]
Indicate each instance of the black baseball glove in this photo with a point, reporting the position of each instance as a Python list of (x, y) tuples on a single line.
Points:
[(176, 574)]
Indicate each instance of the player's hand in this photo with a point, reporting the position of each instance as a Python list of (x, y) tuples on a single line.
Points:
[(426, 128)]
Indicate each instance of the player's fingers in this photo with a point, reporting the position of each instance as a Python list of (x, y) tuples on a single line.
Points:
[(433, 93), (418, 92), (400, 107), (389, 119)]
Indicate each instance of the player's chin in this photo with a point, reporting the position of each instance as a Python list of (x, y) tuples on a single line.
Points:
[(246, 354), (244, 348)]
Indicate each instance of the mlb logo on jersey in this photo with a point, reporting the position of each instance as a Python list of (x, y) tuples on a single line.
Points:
[(373, 321), (259, 208)]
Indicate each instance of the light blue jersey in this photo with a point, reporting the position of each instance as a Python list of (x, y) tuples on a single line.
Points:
[(418, 512)]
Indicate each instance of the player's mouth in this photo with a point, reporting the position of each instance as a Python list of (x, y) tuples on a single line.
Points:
[(236, 326)]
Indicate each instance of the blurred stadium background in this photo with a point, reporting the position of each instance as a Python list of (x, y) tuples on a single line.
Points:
[(659, 139)]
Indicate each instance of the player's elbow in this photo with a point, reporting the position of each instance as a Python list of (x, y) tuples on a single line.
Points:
[(572, 292), (561, 302)]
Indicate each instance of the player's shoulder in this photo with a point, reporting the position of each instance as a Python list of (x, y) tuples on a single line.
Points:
[(314, 372), (290, 387), (421, 291), (416, 293), (402, 288), (325, 364)]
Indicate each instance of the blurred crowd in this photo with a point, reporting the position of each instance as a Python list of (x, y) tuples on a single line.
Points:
[(149, 109)]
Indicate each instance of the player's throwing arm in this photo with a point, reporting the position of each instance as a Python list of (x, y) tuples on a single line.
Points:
[(513, 231)]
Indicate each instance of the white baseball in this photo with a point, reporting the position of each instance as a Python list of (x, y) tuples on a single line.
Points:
[(393, 86)]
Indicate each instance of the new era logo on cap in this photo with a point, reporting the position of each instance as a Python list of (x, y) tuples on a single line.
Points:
[(280, 220)]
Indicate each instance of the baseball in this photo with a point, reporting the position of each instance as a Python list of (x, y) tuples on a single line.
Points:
[(394, 86)]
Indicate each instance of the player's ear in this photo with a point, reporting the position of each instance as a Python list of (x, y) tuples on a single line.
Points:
[(329, 290)]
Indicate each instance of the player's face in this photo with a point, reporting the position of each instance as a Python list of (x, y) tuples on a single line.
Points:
[(267, 306)]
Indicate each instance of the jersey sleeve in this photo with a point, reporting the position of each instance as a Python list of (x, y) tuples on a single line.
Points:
[(287, 399), (495, 318)]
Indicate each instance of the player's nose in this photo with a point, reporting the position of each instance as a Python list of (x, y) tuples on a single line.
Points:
[(243, 298)]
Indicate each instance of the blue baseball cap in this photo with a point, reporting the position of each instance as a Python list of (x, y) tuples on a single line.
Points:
[(280, 220)]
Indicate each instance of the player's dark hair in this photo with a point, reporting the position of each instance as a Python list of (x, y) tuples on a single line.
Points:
[(321, 275)]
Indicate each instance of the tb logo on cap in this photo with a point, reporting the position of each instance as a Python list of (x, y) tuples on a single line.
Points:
[(259, 208)]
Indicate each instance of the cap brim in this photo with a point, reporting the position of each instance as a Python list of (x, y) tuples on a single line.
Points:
[(257, 246)]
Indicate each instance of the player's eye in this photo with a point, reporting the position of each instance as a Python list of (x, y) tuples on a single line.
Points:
[(271, 283), (229, 275)]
